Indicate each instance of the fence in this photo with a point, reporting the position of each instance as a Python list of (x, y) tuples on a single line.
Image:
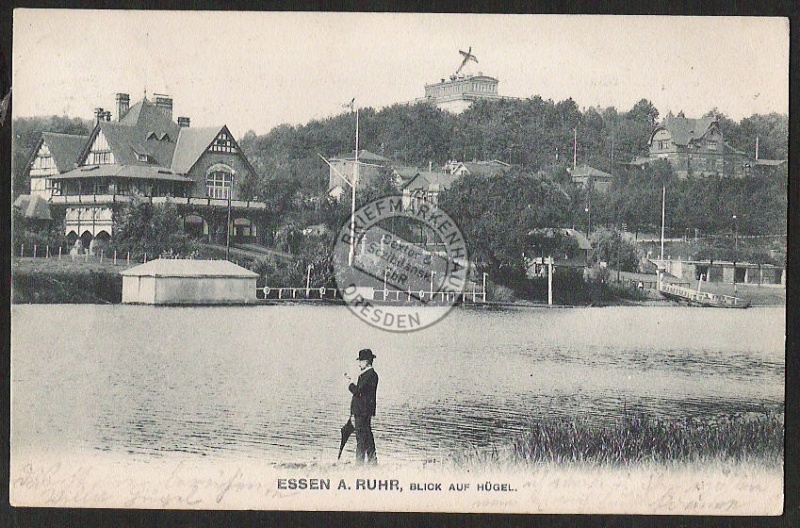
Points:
[(101, 256), (66, 253), (381, 295)]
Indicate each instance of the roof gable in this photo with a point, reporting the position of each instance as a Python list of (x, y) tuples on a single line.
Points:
[(126, 141), (194, 142), (191, 144), (64, 148), (682, 129), (430, 181)]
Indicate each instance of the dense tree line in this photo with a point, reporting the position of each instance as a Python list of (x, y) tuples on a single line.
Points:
[(535, 135)]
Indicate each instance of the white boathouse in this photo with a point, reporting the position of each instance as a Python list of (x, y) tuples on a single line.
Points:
[(183, 281)]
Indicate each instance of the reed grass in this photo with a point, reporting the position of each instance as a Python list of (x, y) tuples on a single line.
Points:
[(640, 438)]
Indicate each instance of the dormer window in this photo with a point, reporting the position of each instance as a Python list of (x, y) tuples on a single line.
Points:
[(152, 135), (164, 137), (142, 157)]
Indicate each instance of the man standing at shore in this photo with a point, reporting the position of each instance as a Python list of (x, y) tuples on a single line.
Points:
[(362, 407)]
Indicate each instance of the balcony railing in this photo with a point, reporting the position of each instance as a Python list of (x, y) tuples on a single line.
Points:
[(106, 199)]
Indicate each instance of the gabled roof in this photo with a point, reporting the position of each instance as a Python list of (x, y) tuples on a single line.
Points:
[(126, 141), (590, 172), (192, 143), (486, 168), (65, 148), (188, 268), (33, 206), (406, 173), (363, 155), (430, 181), (683, 129)]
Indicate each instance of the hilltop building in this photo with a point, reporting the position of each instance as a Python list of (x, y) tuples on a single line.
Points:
[(144, 152), (457, 93)]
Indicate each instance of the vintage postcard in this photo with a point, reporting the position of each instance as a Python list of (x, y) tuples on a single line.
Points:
[(399, 262)]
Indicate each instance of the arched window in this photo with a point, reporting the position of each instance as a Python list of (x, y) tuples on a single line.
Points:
[(218, 182)]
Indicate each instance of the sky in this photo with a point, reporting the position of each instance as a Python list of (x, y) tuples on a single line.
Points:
[(254, 71)]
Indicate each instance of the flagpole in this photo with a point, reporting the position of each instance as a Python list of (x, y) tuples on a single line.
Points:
[(575, 148), (353, 204), (663, 211)]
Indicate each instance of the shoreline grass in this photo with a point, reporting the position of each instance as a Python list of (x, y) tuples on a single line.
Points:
[(638, 438)]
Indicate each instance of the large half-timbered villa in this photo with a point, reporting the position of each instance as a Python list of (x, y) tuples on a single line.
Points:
[(144, 152)]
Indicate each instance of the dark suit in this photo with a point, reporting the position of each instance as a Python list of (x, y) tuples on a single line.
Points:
[(362, 407)]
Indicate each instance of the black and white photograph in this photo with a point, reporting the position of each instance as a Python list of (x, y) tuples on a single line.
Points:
[(399, 262)]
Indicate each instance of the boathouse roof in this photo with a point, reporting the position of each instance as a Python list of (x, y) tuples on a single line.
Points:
[(189, 268)]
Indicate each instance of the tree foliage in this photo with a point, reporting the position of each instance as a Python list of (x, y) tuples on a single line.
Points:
[(496, 214), (153, 229)]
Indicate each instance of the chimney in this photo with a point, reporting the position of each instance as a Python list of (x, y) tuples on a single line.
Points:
[(183, 122), (98, 115), (123, 105), (107, 115), (164, 102)]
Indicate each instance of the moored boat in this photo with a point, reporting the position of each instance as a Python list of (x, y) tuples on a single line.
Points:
[(701, 298)]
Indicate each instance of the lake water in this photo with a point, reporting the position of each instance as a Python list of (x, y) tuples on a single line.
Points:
[(267, 382)]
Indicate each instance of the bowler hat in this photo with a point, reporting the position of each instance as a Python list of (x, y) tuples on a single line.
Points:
[(365, 353)]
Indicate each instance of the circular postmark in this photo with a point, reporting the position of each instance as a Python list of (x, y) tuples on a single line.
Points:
[(400, 264)]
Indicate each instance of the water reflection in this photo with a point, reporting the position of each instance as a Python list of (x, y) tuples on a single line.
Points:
[(266, 382)]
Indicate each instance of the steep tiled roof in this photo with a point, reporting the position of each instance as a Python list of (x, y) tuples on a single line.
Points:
[(65, 148), (126, 141), (192, 142), (681, 128), (147, 117), (145, 130), (33, 206)]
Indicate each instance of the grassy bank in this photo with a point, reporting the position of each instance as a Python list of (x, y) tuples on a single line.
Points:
[(53, 281), (638, 438)]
